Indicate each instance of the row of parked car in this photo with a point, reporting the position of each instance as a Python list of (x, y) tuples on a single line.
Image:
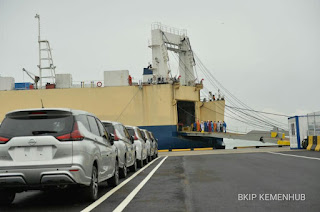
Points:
[(44, 149)]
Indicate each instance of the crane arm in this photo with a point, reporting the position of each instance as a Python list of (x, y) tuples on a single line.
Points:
[(29, 74)]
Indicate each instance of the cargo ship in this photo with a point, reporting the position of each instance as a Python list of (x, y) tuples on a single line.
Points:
[(160, 102)]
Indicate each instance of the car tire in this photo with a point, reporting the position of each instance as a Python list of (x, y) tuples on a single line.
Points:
[(150, 158), (134, 167), (114, 180), (7, 197), (123, 171), (91, 192), (146, 161), (140, 163)]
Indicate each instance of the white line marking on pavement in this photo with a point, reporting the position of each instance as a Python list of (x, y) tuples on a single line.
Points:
[(298, 156), (108, 194), (127, 200)]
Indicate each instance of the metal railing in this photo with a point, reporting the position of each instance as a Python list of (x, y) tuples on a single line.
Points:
[(87, 84), (164, 28)]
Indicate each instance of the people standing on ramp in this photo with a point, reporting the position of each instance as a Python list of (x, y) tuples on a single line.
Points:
[(212, 129), (224, 127)]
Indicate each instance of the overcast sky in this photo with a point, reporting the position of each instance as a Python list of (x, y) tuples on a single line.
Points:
[(266, 52)]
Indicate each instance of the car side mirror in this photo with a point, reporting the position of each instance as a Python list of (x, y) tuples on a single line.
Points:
[(132, 139), (111, 138)]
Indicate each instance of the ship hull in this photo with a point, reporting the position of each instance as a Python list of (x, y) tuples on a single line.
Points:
[(169, 138), (157, 108)]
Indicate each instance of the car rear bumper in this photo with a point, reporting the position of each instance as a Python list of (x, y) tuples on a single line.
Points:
[(33, 179)]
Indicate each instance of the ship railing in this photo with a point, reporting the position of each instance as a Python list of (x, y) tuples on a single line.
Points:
[(88, 84), (165, 28)]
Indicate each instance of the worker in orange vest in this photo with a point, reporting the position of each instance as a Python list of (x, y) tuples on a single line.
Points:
[(215, 126), (198, 125), (130, 80)]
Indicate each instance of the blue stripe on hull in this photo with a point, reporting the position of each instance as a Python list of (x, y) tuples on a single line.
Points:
[(169, 139)]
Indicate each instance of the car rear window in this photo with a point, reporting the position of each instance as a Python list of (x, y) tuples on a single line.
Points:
[(109, 127), (130, 131), (146, 135), (37, 123), (139, 133), (142, 134)]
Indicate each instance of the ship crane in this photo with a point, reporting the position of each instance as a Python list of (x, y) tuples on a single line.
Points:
[(33, 77)]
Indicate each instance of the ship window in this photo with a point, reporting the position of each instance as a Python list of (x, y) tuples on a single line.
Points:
[(186, 113)]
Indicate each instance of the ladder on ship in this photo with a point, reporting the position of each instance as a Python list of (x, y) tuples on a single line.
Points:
[(47, 70)]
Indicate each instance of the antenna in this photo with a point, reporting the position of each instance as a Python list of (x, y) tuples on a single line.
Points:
[(42, 103)]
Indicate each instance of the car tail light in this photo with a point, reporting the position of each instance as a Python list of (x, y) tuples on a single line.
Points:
[(3, 140), (135, 137), (37, 113), (116, 138), (75, 135)]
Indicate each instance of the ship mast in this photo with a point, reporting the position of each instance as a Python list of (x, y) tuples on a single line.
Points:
[(44, 46)]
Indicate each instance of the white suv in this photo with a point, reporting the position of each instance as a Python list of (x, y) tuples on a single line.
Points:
[(54, 148), (140, 144), (125, 144), (150, 145)]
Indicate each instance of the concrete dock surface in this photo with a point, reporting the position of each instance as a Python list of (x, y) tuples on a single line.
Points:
[(249, 179)]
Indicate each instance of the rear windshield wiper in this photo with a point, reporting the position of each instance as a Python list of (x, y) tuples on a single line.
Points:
[(42, 132)]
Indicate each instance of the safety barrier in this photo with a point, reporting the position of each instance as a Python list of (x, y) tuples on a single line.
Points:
[(283, 142), (313, 143), (191, 149)]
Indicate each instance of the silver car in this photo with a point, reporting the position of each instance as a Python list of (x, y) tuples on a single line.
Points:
[(125, 144), (140, 144), (155, 145), (54, 148), (149, 142)]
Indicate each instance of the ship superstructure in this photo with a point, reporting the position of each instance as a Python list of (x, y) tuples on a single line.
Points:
[(166, 39)]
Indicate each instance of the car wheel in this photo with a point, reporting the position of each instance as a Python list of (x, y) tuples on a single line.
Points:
[(150, 158), (146, 161), (92, 191), (123, 171), (114, 180), (134, 167), (140, 163), (7, 197)]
